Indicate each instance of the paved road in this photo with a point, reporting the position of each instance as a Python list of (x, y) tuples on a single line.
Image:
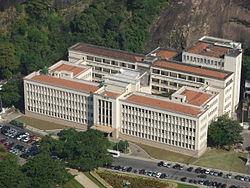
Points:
[(173, 173), (246, 136)]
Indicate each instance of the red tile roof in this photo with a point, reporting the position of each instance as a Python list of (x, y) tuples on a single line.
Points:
[(196, 98), (69, 84), (165, 53), (206, 49), (192, 69), (71, 68), (164, 105), (107, 52)]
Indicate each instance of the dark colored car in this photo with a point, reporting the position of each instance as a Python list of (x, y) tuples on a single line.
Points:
[(184, 179), (190, 169)]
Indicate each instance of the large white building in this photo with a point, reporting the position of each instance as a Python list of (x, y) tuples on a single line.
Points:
[(151, 99)]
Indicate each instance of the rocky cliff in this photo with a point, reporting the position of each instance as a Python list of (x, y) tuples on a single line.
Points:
[(185, 21)]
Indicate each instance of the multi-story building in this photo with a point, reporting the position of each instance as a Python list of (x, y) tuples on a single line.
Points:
[(219, 54), (60, 95), (169, 76), (150, 98)]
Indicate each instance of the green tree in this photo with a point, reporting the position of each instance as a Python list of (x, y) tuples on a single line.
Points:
[(11, 94), (121, 146), (82, 150), (11, 175), (38, 9), (8, 60), (224, 132), (43, 172)]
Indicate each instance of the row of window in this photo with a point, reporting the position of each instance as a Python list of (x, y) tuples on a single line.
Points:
[(49, 92), (202, 60), (110, 62), (159, 139), (58, 115), (175, 75), (105, 112), (130, 111)]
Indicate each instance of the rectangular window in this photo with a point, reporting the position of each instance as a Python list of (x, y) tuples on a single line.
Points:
[(98, 59), (91, 58)]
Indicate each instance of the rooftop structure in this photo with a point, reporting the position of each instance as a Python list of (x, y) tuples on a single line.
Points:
[(164, 53), (76, 85), (192, 69), (66, 67), (107, 52), (193, 96), (164, 104)]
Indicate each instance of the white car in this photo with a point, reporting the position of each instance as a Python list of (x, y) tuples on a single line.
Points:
[(158, 175), (26, 139), (21, 136)]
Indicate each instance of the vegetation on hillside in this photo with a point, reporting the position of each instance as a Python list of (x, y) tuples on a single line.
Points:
[(246, 65), (40, 34)]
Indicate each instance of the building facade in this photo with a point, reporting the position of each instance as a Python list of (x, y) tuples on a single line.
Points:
[(152, 99)]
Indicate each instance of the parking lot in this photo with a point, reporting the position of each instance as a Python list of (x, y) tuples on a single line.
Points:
[(18, 141), (189, 174)]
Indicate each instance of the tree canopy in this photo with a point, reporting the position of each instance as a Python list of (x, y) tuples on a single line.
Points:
[(8, 60), (81, 150), (11, 175), (41, 32), (224, 132), (11, 93), (40, 171), (43, 172)]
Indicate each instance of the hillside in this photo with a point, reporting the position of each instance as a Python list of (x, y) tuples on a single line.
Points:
[(185, 21)]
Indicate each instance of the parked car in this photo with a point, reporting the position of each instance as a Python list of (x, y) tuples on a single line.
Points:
[(190, 169)]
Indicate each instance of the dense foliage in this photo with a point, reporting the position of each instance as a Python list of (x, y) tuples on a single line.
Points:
[(40, 172), (80, 150), (41, 34), (224, 132), (246, 65), (121, 146)]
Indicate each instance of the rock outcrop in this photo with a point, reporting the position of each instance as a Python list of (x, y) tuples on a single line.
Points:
[(185, 21)]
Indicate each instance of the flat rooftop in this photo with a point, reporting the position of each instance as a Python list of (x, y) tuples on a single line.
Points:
[(165, 53), (65, 83), (69, 68), (164, 105), (107, 52), (196, 98), (110, 94), (192, 69), (212, 50)]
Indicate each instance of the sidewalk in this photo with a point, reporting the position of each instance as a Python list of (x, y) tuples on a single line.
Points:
[(82, 179), (137, 151)]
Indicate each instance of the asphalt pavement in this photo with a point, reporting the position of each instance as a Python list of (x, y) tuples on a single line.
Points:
[(174, 174)]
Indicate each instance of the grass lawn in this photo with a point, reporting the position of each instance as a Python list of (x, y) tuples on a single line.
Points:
[(225, 160), (117, 180), (73, 184), (185, 186), (93, 179), (212, 158), (40, 124), (166, 155)]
